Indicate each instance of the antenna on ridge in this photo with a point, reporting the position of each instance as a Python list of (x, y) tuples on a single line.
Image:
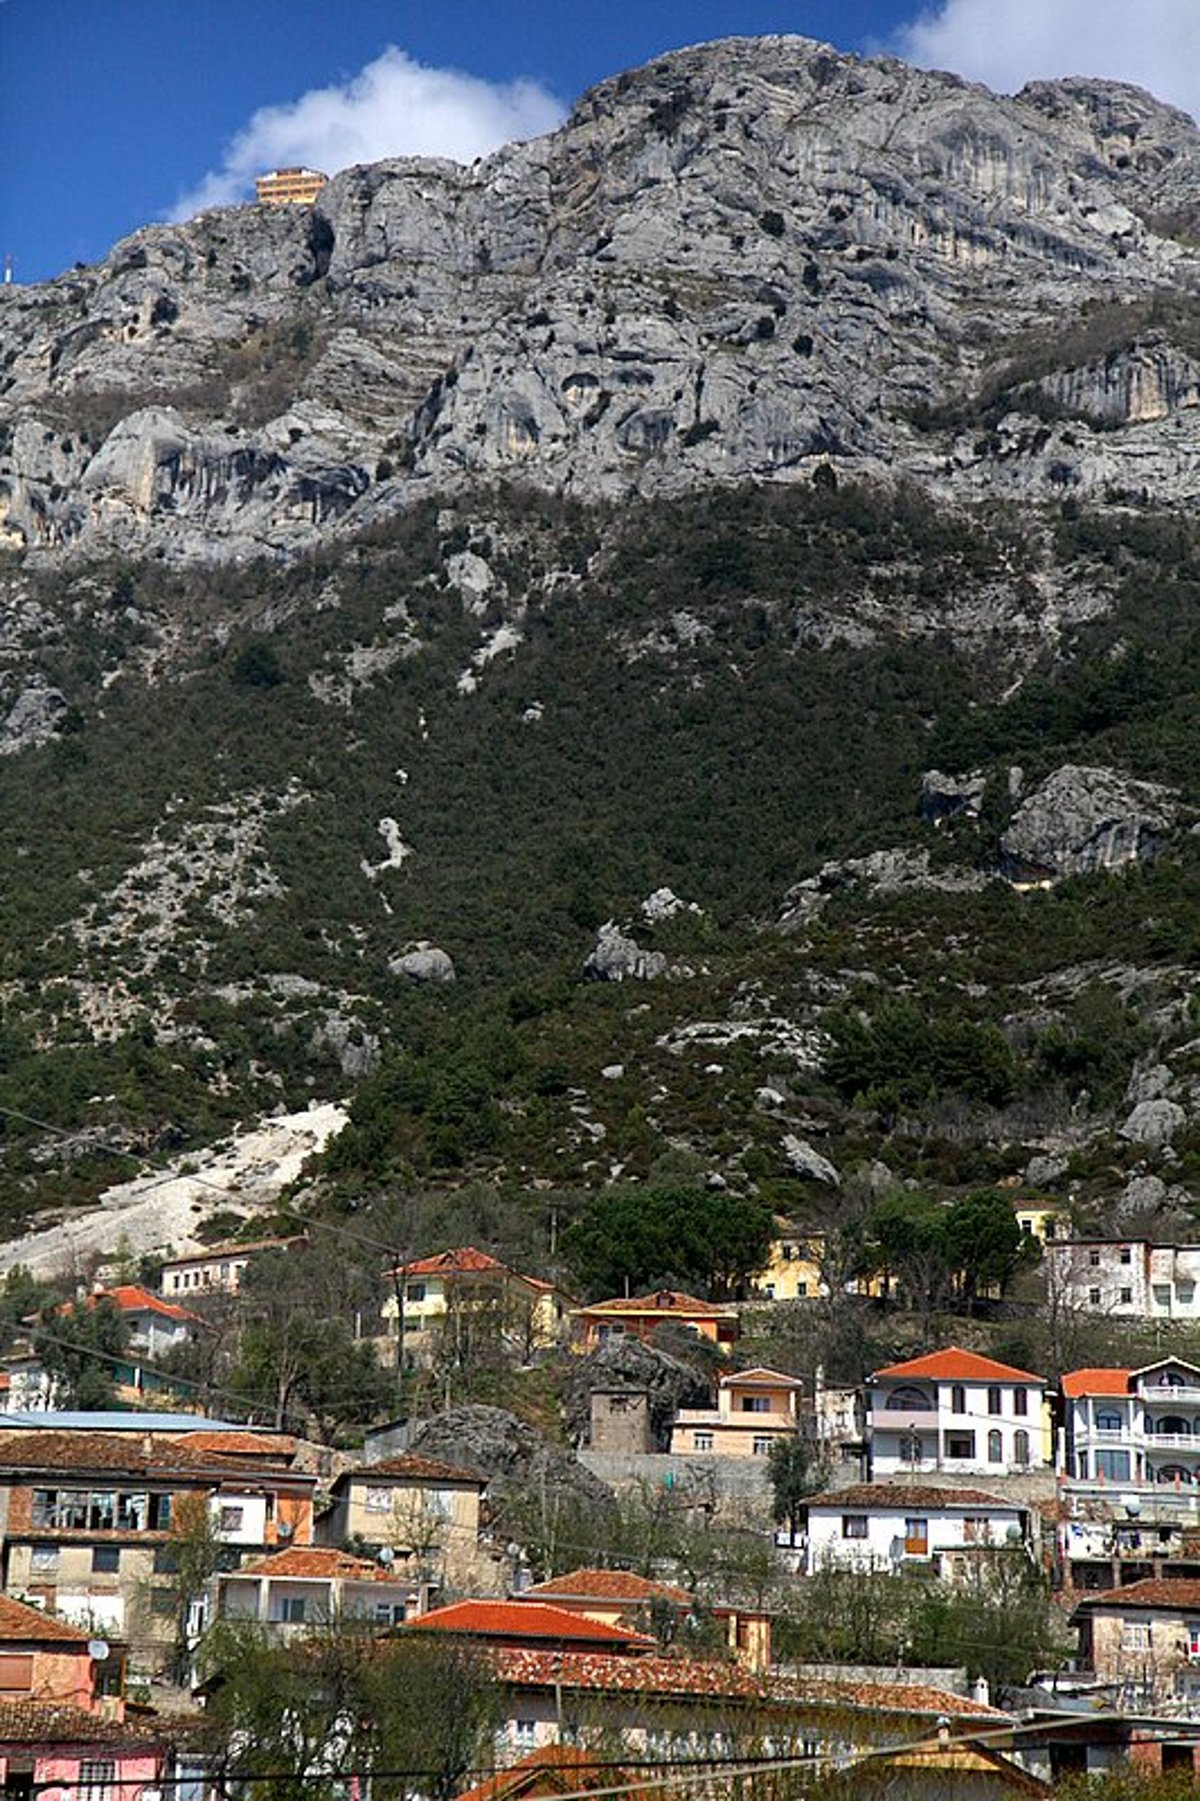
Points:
[(8, 269)]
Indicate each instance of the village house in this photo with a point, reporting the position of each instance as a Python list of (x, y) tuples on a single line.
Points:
[(957, 1412), (464, 1289), (642, 1316), (302, 1587), (46, 1659), (896, 1526), (90, 1521), (219, 1268), (1144, 1639), (1131, 1278), (618, 1597), (421, 1511), (793, 1267), (755, 1409), (535, 1625), (53, 1752)]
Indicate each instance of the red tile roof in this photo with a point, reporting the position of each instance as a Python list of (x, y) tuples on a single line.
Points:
[(47, 1723), (761, 1378), (32, 1626), (1180, 1593), (128, 1297), (519, 1667), (528, 1620), (666, 1300), (1096, 1382), (317, 1562), (900, 1495), (137, 1453), (954, 1365), (607, 1585), (275, 1446), (552, 1770), (409, 1466), (464, 1261)]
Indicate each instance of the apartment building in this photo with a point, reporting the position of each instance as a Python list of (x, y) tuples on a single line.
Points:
[(1129, 1278), (955, 1411), (289, 187)]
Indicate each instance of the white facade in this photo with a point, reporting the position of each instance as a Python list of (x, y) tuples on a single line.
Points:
[(1129, 1278), (888, 1527), (1150, 1434), (957, 1413)]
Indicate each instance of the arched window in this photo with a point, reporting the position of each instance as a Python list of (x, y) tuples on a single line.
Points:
[(958, 1398), (1175, 1472), (1021, 1447), (1109, 1422), (907, 1399), (995, 1448), (1174, 1426)]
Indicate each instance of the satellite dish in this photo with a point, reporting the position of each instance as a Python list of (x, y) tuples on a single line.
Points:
[(1133, 1506), (98, 1649), (385, 1556), (284, 1529)]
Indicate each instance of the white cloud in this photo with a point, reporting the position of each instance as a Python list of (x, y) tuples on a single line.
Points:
[(1005, 43), (392, 107)]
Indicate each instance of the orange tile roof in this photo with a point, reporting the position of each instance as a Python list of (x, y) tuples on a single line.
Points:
[(1173, 1592), (316, 1562), (465, 1261), (409, 1466), (519, 1667), (665, 1300), (898, 1495), (29, 1448), (955, 1365), (48, 1723), (552, 1770), (32, 1626), (528, 1620), (128, 1297), (1096, 1382), (607, 1585)]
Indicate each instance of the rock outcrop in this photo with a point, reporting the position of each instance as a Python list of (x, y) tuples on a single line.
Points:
[(424, 963), (619, 958), (1081, 820), (753, 259)]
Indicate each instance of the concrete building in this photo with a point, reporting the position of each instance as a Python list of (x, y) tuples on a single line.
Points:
[(896, 1526), (620, 1598), (619, 1421), (642, 1315), (1144, 1639), (219, 1268), (957, 1412), (1128, 1278), (465, 1290), (289, 187), (302, 1587), (422, 1513), (755, 1409)]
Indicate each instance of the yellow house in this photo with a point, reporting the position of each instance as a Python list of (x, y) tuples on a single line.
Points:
[(642, 1315), (1043, 1220), (467, 1289), (755, 1408), (793, 1271)]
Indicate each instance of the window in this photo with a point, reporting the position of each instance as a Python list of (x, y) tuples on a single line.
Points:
[(762, 1446), (995, 1448), (378, 1500), (1020, 1402), (390, 1613), (1108, 1421), (916, 1538), (802, 1291), (1126, 1254), (702, 1441), (976, 1530), (43, 1560), (854, 1525), (1185, 1293), (995, 1400), (106, 1560), (415, 1293), (909, 1448), (907, 1399), (958, 1398), (525, 1734), (16, 1674), (1094, 1259), (1126, 1297), (232, 1519), (97, 1779), (756, 1404), (1135, 1635), (1113, 1465), (960, 1444), (1093, 1297), (292, 1609), (1021, 1447)]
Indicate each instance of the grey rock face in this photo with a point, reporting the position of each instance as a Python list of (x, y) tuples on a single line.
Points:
[(1140, 1195), (946, 797), (355, 1050), (748, 260), (809, 1164), (1149, 1084), (1154, 1123), (1080, 820), (514, 1455), (1046, 1171), (35, 717), (882, 872), (618, 958), (424, 963)]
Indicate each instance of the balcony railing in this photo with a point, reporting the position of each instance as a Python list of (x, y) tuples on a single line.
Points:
[(904, 1419), (1167, 1397)]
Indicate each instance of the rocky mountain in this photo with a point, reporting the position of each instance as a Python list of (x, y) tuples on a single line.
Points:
[(672, 649), (741, 262)]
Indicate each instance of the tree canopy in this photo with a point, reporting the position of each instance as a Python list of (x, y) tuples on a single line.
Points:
[(633, 1238)]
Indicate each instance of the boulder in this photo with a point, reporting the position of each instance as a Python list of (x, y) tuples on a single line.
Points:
[(1141, 1195), (523, 1467), (627, 1364), (1080, 820), (423, 963), (1154, 1123), (617, 958), (945, 797), (1046, 1170), (35, 717), (808, 1164), (1148, 1084)]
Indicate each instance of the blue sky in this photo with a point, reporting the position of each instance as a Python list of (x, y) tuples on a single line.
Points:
[(119, 112)]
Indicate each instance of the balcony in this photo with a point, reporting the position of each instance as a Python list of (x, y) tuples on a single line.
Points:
[(1170, 1397), (1173, 1441), (904, 1419)]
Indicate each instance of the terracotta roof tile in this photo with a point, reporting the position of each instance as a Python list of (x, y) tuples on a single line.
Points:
[(898, 1495), (551, 1770), (32, 1626), (276, 1446), (128, 1297), (666, 1300), (694, 1676), (955, 1365), (411, 1467), (528, 1620), (467, 1260), (1182, 1592), (607, 1585), (317, 1562), (1096, 1382), (46, 1723), (137, 1453)]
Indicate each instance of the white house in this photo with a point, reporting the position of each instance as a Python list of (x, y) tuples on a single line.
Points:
[(955, 1411), (1133, 1427), (1130, 1278), (882, 1525)]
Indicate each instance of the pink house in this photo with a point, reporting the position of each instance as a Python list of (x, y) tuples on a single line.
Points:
[(62, 1754)]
